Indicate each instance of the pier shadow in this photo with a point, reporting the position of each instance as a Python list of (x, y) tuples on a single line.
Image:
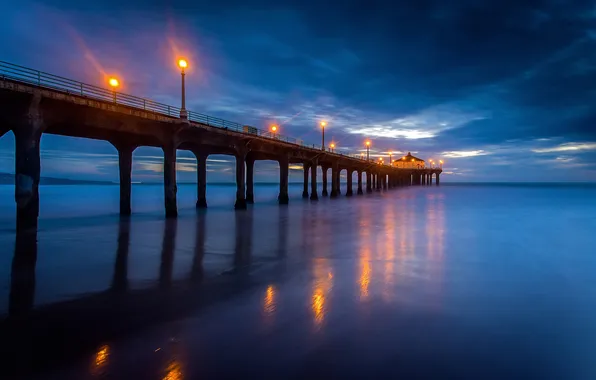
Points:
[(36, 339)]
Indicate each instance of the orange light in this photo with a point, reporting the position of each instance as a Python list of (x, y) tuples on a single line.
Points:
[(441, 161), (323, 124), (367, 143), (182, 63), (332, 145), (273, 128), (403, 158), (412, 160), (113, 82)]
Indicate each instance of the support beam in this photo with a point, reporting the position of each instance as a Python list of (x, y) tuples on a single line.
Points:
[(125, 166), (349, 192), (305, 189), (240, 184), (383, 181), (423, 179), (369, 182), (338, 180), (250, 192), (314, 196), (438, 179), (201, 179), (378, 181), (325, 169), (27, 172), (359, 191), (169, 180), (284, 164), (334, 182)]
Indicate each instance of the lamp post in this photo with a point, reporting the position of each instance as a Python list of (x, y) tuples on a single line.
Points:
[(441, 163), (390, 158), (273, 130), (431, 163), (323, 124), (114, 83), (380, 160), (367, 150), (332, 147), (182, 64)]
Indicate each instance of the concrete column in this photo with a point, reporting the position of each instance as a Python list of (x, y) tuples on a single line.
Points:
[(305, 190), (125, 166), (423, 179), (369, 182), (201, 180), (325, 193), (27, 171), (359, 191), (169, 181), (334, 181), (284, 164), (240, 184), (438, 179), (250, 194), (383, 181), (378, 182), (314, 196), (338, 179), (349, 192)]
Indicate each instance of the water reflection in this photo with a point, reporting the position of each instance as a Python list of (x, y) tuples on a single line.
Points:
[(173, 370), (120, 278), (243, 242), (197, 269), (167, 253), (269, 303), (322, 286), (22, 282), (100, 361)]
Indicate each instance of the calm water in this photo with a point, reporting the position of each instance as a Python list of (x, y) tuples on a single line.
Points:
[(475, 282)]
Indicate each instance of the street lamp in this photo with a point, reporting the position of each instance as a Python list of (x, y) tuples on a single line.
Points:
[(367, 150), (390, 158), (114, 83), (431, 163), (380, 160), (332, 146), (273, 130), (182, 64), (441, 162), (323, 124)]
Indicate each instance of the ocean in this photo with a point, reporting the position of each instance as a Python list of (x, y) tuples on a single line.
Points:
[(461, 281)]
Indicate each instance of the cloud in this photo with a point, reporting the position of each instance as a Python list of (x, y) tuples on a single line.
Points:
[(567, 147), (464, 153)]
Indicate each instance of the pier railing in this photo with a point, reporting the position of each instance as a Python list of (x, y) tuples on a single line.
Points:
[(69, 86)]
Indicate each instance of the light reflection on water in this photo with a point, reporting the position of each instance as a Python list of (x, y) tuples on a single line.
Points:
[(376, 254)]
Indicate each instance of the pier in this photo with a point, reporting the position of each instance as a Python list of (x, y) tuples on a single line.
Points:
[(33, 103)]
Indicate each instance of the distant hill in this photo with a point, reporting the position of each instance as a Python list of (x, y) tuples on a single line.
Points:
[(8, 179)]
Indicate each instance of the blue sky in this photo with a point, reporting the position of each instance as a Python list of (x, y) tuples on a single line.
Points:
[(500, 90)]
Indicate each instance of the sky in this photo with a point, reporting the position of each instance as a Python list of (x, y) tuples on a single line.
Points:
[(500, 90)]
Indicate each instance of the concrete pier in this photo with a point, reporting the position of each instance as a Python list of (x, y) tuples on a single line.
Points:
[(314, 196), (334, 181), (240, 184), (201, 180), (349, 192), (305, 190), (125, 168), (359, 191), (325, 169), (283, 197), (169, 180), (250, 192), (30, 111)]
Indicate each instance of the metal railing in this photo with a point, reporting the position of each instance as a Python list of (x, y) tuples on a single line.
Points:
[(38, 78)]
